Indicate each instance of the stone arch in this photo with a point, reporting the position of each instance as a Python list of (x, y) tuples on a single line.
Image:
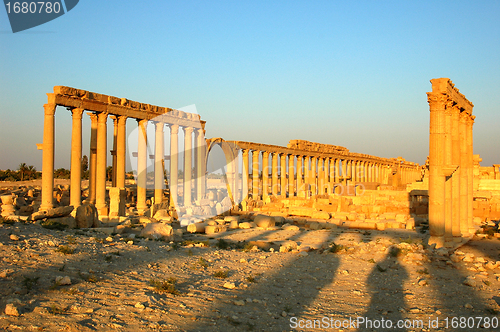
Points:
[(231, 151)]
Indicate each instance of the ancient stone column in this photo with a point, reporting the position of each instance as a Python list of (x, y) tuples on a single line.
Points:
[(463, 210), (291, 176), (336, 171), (142, 161), (92, 157), (159, 153), (470, 173), (200, 167), (188, 156), (283, 175), (307, 175), (344, 171), (437, 179), (455, 179), (48, 157), (255, 174), (314, 186), (76, 158), (274, 174), (354, 175), (113, 152), (333, 162), (321, 176), (174, 164), (120, 151), (448, 205), (100, 203), (300, 181), (236, 180), (265, 175)]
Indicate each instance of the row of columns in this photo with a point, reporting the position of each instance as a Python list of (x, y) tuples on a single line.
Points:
[(98, 160), (293, 175), (450, 170)]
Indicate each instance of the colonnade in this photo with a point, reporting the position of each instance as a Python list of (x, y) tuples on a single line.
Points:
[(287, 172), (450, 164), (100, 107)]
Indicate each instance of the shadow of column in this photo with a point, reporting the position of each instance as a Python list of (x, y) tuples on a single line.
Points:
[(385, 283)]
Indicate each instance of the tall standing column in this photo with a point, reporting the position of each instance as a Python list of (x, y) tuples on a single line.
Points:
[(464, 206), (255, 174), (100, 203), (265, 175), (234, 165), (159, 153), (436, 177), (142, 171), (313, 173), (246, 173), (300, 182), (307, 175), (283, 175), (448, 218), (120, 152), (76, 158), (470, 173), (93, 157), (455, 179), (321, 176), (48, 157), (291, 176), (174, 165), (113, 152), (274, 174), (200, 167), (188, 157), (337, 170)]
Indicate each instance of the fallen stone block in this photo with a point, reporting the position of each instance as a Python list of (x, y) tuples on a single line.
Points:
[(157, 231)]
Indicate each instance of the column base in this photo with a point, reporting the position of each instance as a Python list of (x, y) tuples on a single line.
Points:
[(102, 211), (437, 240)]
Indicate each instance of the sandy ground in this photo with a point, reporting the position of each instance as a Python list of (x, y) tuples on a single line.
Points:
[(116, 282)]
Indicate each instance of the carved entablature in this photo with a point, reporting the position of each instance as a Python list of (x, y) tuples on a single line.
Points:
[(96, 102), (296, 148), (451, 96)]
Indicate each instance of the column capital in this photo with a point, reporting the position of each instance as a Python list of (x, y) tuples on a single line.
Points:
[(102, 117), (265, 153), (122, 119), (188, 130), (435, 100), (159, 125), (245, 152), (50, 109), (142, 122), (174, 129), (77, 113)]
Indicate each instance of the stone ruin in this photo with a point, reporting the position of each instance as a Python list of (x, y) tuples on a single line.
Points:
[(313, 184)]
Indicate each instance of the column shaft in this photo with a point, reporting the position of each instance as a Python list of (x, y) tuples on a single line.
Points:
[(283, 175), (246, 173), (265, 175), (300, 181), (174, 165), (76, 158), (48, 157), (255, 174), (188, 157), (274, 175), (92, 157), (100, 203), (142, 163), (120, 152), (291, 176), (159, 155)]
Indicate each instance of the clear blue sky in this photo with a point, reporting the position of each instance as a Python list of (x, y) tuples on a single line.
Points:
[(349, 73)]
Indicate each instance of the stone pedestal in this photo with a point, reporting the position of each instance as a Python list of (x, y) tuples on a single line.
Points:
[(117, 197)]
